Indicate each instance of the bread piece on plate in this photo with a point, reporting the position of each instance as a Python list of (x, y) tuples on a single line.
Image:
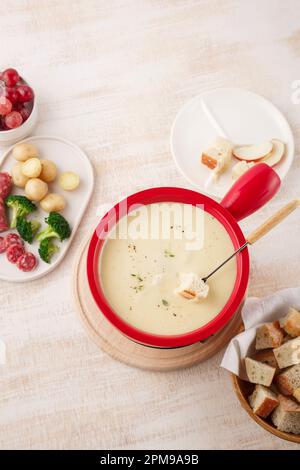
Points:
[(259, 373), (296, 394), (289, 380), (267, 357), (218, 156), (291, 322), (263, 401), (288, 354), (269, 335), (286, 417), (240, 168), (253, 152)]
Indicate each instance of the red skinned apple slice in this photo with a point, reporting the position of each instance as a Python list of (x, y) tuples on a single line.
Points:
[(254, 152), (276, 154)]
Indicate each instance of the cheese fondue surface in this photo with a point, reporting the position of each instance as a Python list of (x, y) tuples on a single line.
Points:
[(140, 275)]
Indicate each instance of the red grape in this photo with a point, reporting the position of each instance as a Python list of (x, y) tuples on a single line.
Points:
[(5, 106), (10, 76), (25, 113), (25, 93), (11, 94), (13, 120)]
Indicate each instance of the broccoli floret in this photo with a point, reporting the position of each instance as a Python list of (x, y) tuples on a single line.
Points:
[(21, 206), (47, 249), (27, 228), (58, 227)]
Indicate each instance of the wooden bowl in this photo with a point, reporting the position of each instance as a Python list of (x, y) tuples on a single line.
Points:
[(243, 389)]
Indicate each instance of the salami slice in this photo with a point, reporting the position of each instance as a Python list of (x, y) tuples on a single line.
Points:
[(5, 185), (12, 239), (3, 219), (2, 245), (27, 262), (14, 252)]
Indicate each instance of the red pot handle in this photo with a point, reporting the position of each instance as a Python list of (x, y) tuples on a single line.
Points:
[(251, 191)]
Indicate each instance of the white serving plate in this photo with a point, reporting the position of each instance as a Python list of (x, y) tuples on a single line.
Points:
[(68, 157), (239, 115)]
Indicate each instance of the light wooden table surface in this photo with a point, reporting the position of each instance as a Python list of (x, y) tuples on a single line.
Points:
[(111, 76)]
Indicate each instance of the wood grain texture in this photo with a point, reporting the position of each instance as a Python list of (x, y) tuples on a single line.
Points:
[(111, 76), (273, 221)]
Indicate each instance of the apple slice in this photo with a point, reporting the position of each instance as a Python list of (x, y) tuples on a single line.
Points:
[(276, 154), (253, 152)]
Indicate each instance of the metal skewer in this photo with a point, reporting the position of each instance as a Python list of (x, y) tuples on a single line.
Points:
[(261, 231), (204, 279)]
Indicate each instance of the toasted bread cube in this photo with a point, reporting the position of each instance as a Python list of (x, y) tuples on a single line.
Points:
[(291, 323), (267, 357), (286, 417), (192, 287), (259, 373), (263, 401), (209, 158), (288, 354), (289, 380), (269, 335), (218, 156)]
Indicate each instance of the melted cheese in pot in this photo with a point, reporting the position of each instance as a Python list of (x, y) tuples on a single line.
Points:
[(140, 277)]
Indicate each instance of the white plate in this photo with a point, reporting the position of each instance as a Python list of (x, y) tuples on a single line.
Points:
[(241, 116), (68, 157)]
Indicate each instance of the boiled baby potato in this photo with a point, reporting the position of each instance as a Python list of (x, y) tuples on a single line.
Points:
[(32, 168), (36, 189), (69, 181), (19, 179), (23, 152), (49, 171), (53, 203)]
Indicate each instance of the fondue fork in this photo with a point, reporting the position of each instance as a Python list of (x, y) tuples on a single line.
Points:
[(260, 231)]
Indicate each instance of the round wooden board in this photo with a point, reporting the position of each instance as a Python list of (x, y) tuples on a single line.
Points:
[(114, 343)]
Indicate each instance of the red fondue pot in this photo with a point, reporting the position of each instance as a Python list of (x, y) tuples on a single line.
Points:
[(250, 192)]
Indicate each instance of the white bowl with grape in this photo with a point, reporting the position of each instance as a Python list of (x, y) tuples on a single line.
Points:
[(18, 108)]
